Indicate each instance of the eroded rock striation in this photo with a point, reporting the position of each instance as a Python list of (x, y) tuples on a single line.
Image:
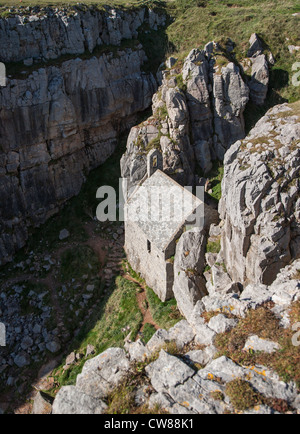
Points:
[(260, 203), (47, 33), (57, 125)]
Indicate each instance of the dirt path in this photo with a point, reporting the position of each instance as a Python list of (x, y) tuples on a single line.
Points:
[(143, 305)]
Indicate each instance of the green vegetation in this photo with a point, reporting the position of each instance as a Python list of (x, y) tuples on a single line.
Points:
[(78, 261), (213, 246), (77, 212), (242, 395), (165, 314), (198, 22), (214, 177), (122, 399), (113, 319), (180, 83), (263, 323), (148, 332)]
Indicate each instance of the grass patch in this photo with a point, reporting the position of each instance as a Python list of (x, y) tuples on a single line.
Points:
[(165, 314), (114, 318), (263, 323), (78, 261), (214, 177), (242, 395), (213, 246), (296, 275), (198, 22), (148, 331)]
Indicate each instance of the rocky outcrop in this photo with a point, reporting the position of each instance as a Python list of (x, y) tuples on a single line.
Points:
[(260, 204), (39, 34), (193, 380), (259, 79), (57, 125), (257, 67), (189, 285), (197, 115)]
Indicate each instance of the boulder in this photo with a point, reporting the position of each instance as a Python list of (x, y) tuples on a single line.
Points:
[(256, 46), (189, 285), (42, 404), (255, 343), (259, 80), (70, 400)]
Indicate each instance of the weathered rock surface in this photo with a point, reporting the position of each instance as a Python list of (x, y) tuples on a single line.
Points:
[(70, 400), (57, 125), (194, 381), (189, 285), (48, 33), (197, 115), (260, 202), (257, 344), (259, 79)]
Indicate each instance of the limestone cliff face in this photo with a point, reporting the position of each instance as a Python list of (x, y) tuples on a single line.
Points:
[(197, 115), (260, 206), (55, 126), (46, 33)]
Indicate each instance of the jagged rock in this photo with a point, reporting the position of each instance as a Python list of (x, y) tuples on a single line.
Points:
[(195, 119), (293, 48), (90, 349), (70, 359), (137, 351), (189, 285), (102, 373), (261, 409), (259, 80), (22, 360), (70, 400), (220, 279), (231, 95), (257, 344), (53, 346), (204, 334), (262, 379), (256, 46), (71, 31), (170, 62), (260, 206), (257, 294), (42, 404), (182, 334), (221, 324), (168, 371), (202, 357), (161, 400), (159, 338)]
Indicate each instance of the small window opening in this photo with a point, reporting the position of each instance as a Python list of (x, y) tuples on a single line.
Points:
[(155, 162), (149, 246)]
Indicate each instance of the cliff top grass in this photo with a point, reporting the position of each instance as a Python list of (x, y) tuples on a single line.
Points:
[(196, 22)]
